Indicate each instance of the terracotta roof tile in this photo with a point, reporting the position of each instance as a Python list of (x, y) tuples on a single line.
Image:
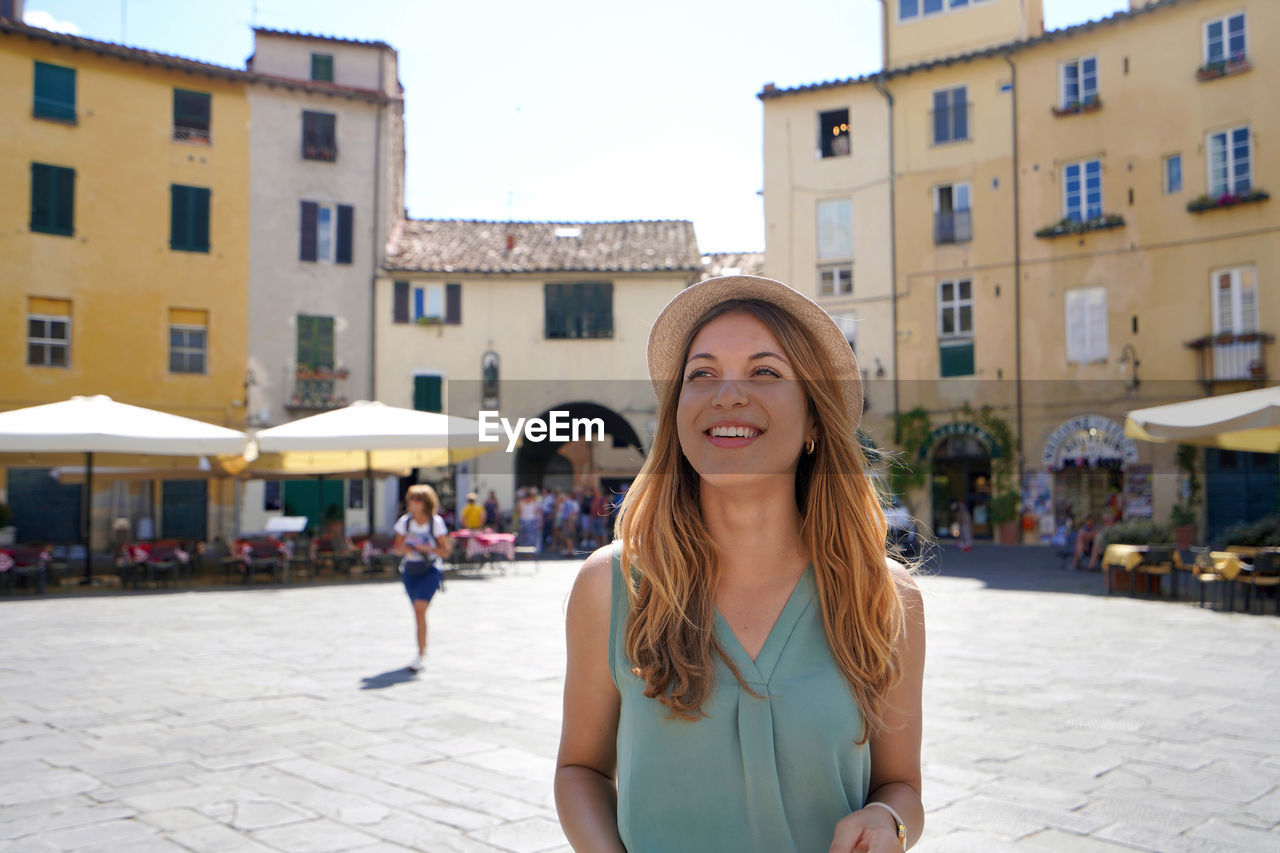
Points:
[(297, 34), (457, 246)]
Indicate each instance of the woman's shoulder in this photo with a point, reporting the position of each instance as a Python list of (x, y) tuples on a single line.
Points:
[(592, 597)]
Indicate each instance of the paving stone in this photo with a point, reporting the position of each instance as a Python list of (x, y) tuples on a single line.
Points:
[(314, 836), (526, 836), (120, 834)]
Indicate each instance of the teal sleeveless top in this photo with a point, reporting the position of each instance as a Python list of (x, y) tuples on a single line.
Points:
[(772, 774)]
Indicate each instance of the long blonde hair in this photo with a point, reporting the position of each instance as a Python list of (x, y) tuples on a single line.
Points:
[(668, 638)]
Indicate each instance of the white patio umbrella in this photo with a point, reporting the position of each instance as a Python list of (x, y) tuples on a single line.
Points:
[(367, 436), (1247, 421), (99, 424)]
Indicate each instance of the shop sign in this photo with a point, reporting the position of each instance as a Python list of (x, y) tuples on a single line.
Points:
[(1088, 440), (961, 428)]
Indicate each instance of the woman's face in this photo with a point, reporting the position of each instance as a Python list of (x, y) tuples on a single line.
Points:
[(742, 413)]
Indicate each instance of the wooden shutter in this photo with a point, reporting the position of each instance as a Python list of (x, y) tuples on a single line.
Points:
[(199, 197), (427, 396), (346, 220), (179, 221), (55, 92), (1077, 327), (453, 304), (307, 246), (324, 342), (64, 193), (306, 341), (400, 303), (1096, 320)]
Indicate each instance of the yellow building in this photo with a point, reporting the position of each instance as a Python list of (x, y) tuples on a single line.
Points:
[(124, 237), (1079, 229)]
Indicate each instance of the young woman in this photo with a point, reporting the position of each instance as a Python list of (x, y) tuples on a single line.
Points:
[(423, 539), (745, 662)]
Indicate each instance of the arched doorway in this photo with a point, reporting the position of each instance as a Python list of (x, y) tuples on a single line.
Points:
[(1089, 457), (610, 464), (961, 473)]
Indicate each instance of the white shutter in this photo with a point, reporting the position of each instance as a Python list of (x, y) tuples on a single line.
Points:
[(1224, 315), (961, 196), (1077, 327), (1248, 301), (1096, 323)]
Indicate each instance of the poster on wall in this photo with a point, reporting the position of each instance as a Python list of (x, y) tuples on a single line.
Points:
[(1037, 499), (1137, 491)]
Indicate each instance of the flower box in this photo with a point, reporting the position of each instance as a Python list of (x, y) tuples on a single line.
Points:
[(1224, 68), (1227, 199), (1066, 227), (1089, 105)]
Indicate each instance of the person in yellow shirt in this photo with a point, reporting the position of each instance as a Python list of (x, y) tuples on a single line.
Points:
[(472, 513)]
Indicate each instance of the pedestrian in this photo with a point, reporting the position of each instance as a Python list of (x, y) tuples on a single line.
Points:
[(492, 515), (964, 525), (745, 661), (423, 539), (529, 509), (473, 515)]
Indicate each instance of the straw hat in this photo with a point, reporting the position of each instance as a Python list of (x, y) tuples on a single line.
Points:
[(671, 330)]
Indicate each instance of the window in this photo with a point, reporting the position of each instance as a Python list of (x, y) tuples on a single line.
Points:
[(48, 332), (1235, 301), (191, 115), (53, 190), (315, 353), (326, 232), (1229, 162), (271, 495), (319, 136), (189, 218), (1078, 82), (952, 220), (835, 228), (355, 494), (835, 281), (955, 328), (833, 133), (322, 67), (1086, 317), (951, 115), (1082, 191), (578, 310), (437, 303), (188, 340), (428, 392), (55, 92), (1224, 40), (1173, 174), (910, 9)]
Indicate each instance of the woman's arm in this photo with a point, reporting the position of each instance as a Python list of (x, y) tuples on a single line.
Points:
[(586, 795), (895, 751)]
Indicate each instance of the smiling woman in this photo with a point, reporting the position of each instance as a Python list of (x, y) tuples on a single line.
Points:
[(745, 661)]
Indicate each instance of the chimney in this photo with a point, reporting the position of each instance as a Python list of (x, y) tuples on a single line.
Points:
[(11, 10), (511, 242)]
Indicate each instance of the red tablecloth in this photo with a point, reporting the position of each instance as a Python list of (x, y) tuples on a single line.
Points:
[(488, 544)]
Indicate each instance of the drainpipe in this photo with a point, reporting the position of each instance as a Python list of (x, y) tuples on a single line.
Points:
[(893, 226), (1017, 269), (376, 255)]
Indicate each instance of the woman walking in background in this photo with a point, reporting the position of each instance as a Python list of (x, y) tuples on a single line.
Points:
[(423, 539), (745, 662)]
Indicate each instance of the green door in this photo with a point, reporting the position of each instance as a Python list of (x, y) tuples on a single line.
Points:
[(304, 497), (428, 393)]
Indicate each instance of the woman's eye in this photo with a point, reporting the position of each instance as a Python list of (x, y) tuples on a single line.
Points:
[(766, 371), (697, 373)]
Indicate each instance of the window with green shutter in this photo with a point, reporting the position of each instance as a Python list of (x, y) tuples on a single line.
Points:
[(53, 199), (191, 115), (189, 218), (955, 358), (428, 393), (322, 67), (55, 92), (319, 136), (315, 356), (579, 310)]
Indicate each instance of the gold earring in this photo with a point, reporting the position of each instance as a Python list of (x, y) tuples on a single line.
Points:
[(808, 447)]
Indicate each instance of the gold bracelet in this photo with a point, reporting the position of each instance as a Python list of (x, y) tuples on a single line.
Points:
[(902, 829)]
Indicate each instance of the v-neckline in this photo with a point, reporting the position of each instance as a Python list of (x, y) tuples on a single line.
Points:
[(761, 667)]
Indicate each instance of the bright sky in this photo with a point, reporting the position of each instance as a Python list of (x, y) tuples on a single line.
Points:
[(577, 110)]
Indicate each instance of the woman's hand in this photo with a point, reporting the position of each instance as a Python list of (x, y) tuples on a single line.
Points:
[(872, 830)]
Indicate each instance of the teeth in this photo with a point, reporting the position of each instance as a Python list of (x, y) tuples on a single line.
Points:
[(734, 432)]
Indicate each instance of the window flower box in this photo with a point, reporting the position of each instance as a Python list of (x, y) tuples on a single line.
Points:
[(1089, 105), (1067, 226), (1224, 68), (1227, 199), (321, 374)]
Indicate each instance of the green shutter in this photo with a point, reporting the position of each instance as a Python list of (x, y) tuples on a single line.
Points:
[(956, 359), (55, 92), (315, 341), (189, 218), (306, 340), (64, 193), (177, 217), (322, 67), (52, 199), (200, 218), (427, 396)]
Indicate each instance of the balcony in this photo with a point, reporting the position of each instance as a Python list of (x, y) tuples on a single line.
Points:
[(1226, 199), (1237, 64), (318, 389), (319, 146), (1230, 357), (198, 134), (952, 226), (1068, 226), (1090, 104)]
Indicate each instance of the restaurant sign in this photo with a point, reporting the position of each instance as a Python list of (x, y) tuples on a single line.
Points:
[(1088, 440), (962, 428)]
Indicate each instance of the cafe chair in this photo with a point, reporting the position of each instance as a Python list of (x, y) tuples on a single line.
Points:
[(1223, 568), (1118, 556), (1160, 561), (1264, 575)]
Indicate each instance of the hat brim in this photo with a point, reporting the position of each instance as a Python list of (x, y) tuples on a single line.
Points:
[(670, 332)]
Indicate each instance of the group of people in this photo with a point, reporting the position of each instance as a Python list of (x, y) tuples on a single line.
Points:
[(745, 662), (564, 522)]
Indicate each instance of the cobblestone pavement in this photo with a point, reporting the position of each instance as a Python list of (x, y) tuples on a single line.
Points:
[(278, 719)]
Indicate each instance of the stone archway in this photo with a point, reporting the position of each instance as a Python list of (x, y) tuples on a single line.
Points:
[(960, 472), (564, 465)]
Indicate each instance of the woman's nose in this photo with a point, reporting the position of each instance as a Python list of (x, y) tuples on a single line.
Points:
[(729, 395)]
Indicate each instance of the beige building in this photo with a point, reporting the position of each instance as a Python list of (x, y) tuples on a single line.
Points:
[(526, 319), (1080, 228)]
